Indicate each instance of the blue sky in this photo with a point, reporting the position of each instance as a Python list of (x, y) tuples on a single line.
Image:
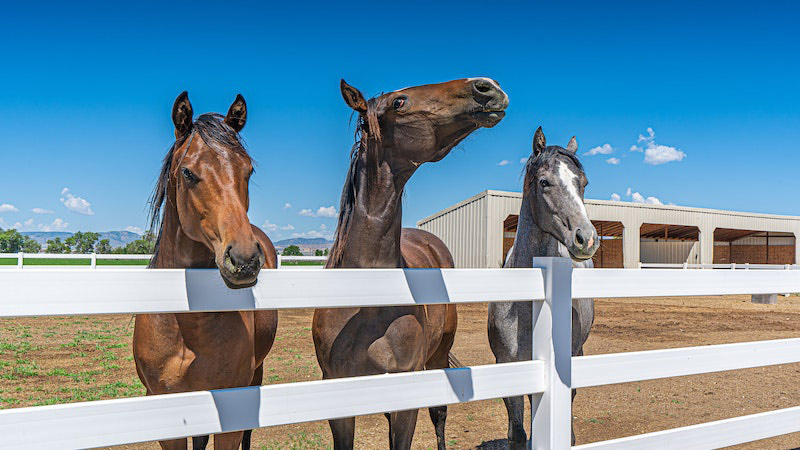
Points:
[(86, 91)]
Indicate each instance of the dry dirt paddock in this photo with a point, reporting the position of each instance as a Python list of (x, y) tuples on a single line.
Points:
[(53, 360)]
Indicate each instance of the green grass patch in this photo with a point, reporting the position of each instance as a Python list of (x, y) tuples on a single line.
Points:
[(299, 441), (302, 263), (73, 262)]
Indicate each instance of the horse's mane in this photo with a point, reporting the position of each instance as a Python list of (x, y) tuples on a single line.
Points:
[(367, 141), (548, 154), (216, 133)]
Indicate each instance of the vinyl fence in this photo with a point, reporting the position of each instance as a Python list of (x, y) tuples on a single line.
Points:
[(549, 376)]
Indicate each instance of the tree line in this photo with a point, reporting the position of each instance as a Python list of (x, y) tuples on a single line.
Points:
[(12, 241)]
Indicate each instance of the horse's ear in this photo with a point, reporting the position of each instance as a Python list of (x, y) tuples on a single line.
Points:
[(573, 145), (237, 114), (353, 97), (539, 142), (182, 114)]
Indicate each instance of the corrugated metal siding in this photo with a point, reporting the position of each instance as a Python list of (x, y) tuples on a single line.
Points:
[(501, 205), (463, 230), (666, 251)]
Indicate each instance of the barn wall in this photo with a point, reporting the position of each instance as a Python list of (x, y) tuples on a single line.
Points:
[(674, 252), (462, 227), (609, 255)]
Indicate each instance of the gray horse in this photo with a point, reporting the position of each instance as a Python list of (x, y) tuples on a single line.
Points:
[(552, 222)]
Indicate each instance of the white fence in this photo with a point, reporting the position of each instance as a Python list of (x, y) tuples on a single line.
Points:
[(733, 266), (549, 377), (94, 257)]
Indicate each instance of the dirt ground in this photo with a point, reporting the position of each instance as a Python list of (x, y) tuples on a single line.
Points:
[(54, 360)]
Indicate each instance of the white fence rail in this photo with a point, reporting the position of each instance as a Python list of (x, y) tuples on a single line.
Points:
[(94, 257), (549, 377), (741, 266)]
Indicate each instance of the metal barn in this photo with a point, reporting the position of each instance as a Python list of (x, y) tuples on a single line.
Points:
[(480, 230)]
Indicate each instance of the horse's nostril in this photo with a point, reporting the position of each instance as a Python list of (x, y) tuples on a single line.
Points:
[(483, 86), (579, 237)]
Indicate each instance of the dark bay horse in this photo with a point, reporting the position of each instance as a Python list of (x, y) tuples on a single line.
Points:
[(200, 208), (396, 133), (552, 222)]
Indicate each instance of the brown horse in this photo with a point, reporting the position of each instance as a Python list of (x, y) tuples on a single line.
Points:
[(396, 133), (203, 195)]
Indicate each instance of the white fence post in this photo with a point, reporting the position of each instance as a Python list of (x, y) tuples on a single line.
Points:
[(20, 260), (278, 264), (552, 344), (94, 260)]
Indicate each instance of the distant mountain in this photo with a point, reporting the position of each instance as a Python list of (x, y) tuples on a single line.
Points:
[(115, 238), (303, 241)]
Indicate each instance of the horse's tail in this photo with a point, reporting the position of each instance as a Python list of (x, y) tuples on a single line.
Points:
[(453, 362)]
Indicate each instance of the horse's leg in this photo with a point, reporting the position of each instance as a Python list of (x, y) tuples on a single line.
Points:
[(402, 424), (228, 441), (199, 442), (174, 444), (343, 431), (439, 413), (258, 377), (515, 406)]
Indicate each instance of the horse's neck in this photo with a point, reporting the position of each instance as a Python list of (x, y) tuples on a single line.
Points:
[(531, 241), (371, 237), (176, 250)]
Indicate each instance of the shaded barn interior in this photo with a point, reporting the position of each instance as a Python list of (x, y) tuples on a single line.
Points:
[(754, 247), (676, 244)]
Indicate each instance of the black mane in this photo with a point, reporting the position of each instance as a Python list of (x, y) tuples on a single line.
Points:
[(367, 139), (215, 133), (548, 154)]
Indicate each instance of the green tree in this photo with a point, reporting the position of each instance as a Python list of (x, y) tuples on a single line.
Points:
[(56, 246), (10, 241), (31, 246), (325, 253), (318, 252), (81, 242), (103, 247), (144, 246), (292, 250)]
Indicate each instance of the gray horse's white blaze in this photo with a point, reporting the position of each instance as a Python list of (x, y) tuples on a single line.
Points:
[(552, 222)]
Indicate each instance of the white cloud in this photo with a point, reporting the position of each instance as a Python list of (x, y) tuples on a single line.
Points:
[(322, 211), (75, 203), (134, 229), (523, 160), (613, 161), (287, 205), (5, 207), (287, 227), (661, 154), (628, 192), (655, 154), (639, 198), (504, 162), (329, 211), (615, 197), (323, 232), (42, 211), (605, 149), (57, 225), (269, 226)]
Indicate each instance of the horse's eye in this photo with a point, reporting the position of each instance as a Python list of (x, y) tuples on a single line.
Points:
[(544, 183), (187, 174), (399, 102)]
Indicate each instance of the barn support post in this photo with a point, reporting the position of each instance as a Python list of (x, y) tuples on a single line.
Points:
[(631, 237), (552, 343), (706, 239)]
